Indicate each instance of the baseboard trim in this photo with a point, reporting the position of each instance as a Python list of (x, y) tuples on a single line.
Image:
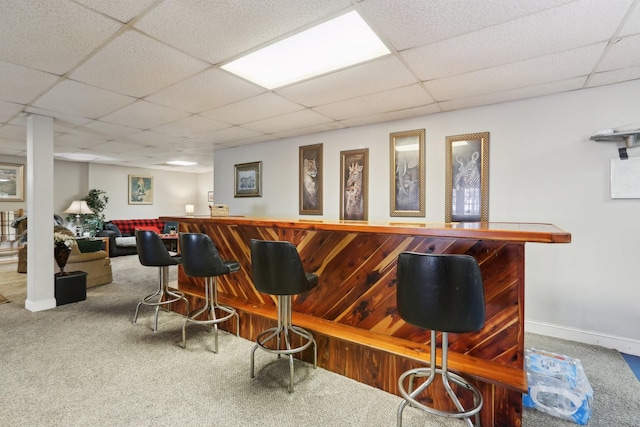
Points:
[(40, 305), (622, 344)]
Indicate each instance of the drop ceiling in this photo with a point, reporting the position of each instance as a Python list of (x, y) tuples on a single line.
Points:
[(138, 82)]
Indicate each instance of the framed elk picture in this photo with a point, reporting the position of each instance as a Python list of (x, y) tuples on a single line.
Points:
[(407, 173), (310, 181), (354, 183), (467, 178)]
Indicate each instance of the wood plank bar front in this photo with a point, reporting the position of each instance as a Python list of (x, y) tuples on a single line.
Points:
[(352, 312)]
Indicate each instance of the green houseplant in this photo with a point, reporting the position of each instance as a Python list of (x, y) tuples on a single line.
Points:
[(97, 200)]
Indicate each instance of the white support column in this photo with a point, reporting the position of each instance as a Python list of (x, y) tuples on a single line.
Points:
[(39, 192)]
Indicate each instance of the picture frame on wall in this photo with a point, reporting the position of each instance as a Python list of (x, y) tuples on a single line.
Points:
[(310, 180), (247, 180), (210, 196), (140, 190), (407, 187), (11, 182), (354, 183), (467, 178)]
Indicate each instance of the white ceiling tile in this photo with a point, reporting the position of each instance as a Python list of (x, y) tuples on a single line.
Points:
[(26, 84), (302, 118), (225, 135), (392, 115), (559, 66), (78, 141), (563, 28), (514, 94), (52, 35), (122, 10), (8, 110), (259, 107), (110, 130), (62, 122), (246, 24), (148, 137), (118, 147), (190, 126), (205, 91), (324, 127), (16, 133), (144, 115), (77, 99), (611, 77), (632, 26), (411, 23), (136, 65), (374, 76), (391, 100), (11, 147), (623, 54)]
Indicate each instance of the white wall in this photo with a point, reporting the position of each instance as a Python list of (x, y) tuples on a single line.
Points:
[(543, 168), (73, 180)]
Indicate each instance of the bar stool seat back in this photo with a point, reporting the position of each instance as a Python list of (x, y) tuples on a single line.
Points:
[(200, 258), (278, 270), (153, 253), (443, 293)]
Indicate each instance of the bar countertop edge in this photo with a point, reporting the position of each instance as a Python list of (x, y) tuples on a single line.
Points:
[(503, 231)]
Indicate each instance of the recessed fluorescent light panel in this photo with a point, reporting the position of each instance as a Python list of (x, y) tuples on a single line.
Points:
[(339, 43), (181, 163)]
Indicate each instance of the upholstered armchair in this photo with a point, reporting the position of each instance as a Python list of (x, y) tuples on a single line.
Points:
[(96, 264)]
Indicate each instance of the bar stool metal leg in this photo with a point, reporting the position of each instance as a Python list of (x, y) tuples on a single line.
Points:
[(410, 395), (211, 304), (162, 296), (282, 335)]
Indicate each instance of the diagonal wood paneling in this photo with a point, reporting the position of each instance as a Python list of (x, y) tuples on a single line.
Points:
[(357, 280)]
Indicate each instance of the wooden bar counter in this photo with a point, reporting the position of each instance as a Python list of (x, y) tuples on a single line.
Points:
[(352, 312)]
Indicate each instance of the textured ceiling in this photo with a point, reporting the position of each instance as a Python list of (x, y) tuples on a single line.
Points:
[(139, 83)]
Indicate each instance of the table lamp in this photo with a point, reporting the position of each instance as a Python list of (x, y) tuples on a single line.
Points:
[(78, 207), (189, 210)]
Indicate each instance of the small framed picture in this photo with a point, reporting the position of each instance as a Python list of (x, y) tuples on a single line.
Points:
[(354, 183), (407, 173), (248, 180), (140, 190), (467, 178), (310, 181), (210, 196), (11, 182)]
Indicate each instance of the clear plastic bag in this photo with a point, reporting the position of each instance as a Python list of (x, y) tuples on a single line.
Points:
[(558, 386)]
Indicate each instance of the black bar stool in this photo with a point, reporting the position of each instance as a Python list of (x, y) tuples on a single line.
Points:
[(153, 253), (277, 270), (441, 293), (200, 258)]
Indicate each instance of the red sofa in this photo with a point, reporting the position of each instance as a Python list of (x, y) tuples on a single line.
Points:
[(121, 233)]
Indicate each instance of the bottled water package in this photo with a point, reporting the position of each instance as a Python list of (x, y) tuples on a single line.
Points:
[(558, 386)]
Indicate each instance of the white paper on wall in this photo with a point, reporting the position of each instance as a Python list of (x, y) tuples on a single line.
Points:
[(625, 178)]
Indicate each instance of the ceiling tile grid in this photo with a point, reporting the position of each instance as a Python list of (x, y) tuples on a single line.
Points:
[(146, 73)]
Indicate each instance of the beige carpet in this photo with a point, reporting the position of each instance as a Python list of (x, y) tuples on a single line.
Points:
[(12, 284)]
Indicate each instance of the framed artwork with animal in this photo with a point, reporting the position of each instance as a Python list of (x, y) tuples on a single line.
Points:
[(311, 177), (407, 173), (354, 183), (467, 178)]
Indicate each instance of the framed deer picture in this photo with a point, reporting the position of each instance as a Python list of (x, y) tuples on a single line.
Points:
[(467, 178), (310, 182), (354, 183)]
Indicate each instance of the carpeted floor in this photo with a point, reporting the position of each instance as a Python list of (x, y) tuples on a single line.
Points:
[(87, 364)]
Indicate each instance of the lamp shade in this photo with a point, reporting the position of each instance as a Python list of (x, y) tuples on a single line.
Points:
[(78, 207)]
